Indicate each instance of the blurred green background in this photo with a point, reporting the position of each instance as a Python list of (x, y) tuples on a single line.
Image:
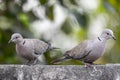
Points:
[(64, 23)]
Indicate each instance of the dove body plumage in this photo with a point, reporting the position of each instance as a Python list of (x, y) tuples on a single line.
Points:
[(29, 49), (88, 51)]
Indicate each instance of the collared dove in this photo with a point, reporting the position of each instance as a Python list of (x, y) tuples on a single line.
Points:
[(29, 49), (88, 51)]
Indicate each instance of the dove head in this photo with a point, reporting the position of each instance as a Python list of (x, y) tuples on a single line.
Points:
[(16, 38), (107, 34)]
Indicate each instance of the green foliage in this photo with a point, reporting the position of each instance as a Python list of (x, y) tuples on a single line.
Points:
[(81, 18), (50, 12), (43, 2), (66, 27), (23, 18), (14, 19)]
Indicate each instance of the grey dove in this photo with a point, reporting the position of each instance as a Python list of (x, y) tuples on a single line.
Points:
[(88, 51), (30, 49)]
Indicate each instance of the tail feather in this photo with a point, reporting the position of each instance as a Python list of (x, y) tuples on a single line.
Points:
[(50, 47), (59, 60), (54, 48)]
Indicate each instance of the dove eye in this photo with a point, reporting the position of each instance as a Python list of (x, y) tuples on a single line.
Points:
[(16, 37), (108, 34)]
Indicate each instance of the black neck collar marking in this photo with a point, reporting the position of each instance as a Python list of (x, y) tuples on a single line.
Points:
[(99, 39), (24, 42)]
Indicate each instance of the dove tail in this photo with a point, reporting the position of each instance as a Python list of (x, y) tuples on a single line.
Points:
[(59, 60), (50, 47), (54, 48)]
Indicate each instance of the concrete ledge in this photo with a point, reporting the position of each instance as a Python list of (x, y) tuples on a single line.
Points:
[(59, 72)]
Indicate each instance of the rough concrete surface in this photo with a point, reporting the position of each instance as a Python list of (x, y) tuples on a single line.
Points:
[(59, 72)]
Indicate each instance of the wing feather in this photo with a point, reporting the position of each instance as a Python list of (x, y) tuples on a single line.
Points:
[(80, 51)]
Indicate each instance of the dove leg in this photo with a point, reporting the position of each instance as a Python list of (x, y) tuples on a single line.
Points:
[(35, 61), (28, 63), (88, 64), (32, 62)]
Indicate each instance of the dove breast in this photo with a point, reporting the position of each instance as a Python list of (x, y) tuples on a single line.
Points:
[(30, 47), (96, 48)]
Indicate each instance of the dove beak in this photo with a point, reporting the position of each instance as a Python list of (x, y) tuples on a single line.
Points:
[(114, 37), (10, 41)]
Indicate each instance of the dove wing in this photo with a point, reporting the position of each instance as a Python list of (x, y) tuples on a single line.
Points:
[(40, 47), (80, 51)]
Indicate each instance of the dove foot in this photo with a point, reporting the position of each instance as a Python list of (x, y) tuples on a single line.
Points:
[(32, 62), (28, 63), (90, 65)]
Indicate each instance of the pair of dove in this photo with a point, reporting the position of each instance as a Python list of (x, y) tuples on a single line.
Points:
[(87, 51)]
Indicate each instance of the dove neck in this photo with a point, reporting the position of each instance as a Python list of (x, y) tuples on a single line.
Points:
[(21, 41), (102, 39)]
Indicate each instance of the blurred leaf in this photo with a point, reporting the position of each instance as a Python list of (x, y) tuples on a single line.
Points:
[(11, 9), (66, 27), (14, 8), (108, 7), (81, 18), (43, 2), (73, 2), (71, 62), (5, 23), (52, 55), (24, 19), (114, 3), (48, 58), (32, 16), (23, 1), (50, 12), (81, 34), (62, 3)]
